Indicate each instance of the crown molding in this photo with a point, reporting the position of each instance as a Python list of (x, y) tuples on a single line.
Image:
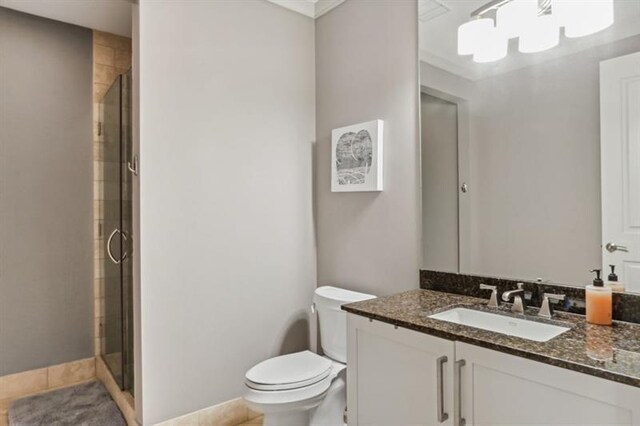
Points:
[(311, 8)]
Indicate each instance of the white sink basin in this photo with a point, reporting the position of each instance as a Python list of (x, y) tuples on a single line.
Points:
[(537, 331)]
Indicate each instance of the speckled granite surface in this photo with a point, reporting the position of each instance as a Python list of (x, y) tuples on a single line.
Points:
[(626, 306), (608, 352)]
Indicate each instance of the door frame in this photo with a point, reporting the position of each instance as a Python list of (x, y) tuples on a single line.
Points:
[(464, 175), (614, 78)]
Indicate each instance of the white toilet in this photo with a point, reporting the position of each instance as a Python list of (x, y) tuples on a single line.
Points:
[(304, 388)]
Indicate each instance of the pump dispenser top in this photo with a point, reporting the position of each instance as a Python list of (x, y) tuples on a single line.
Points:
[(612, 276), (597, 281), (612, 280)]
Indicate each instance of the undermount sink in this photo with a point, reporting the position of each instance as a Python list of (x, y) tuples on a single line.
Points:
[(531, 330)]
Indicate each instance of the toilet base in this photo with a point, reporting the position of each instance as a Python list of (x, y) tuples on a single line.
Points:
[(326, 409)]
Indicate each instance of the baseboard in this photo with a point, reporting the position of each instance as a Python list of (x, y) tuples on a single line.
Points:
[(229, 413), (33, 382), (123, 400)]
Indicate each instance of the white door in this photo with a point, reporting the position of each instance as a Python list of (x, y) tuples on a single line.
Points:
[(620, 167), (501, 389), (397, 377)]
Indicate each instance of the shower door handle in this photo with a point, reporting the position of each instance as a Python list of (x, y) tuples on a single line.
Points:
[(133, 165), (111, 256)]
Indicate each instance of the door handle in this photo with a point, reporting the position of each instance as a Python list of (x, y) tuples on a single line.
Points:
[(111, 256), (133, 165), (442, 415), (458, 392), (611, 247)]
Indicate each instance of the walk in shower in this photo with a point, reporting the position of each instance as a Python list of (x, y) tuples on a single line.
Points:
[(119, 168)]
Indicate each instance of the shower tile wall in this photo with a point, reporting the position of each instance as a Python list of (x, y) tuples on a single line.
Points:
[(111, 57)]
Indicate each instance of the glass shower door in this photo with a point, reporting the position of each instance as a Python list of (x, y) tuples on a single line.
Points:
[(117, 332)]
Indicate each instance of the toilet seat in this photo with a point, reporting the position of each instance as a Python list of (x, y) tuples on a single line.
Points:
[(289, 372), (308, 390)]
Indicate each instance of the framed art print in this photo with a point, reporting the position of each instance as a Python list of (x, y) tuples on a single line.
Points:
[(356, 157)]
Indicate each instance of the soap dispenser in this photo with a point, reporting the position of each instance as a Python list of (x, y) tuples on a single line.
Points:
[(612, 280), (599, 301)]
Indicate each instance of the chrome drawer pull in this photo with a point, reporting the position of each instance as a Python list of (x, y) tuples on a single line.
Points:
[(442, 416)]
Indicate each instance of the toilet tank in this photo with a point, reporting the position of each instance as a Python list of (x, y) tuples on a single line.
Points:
[(333, 321)]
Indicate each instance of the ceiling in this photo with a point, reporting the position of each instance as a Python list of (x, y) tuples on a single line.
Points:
[(311, 8), (439, 21), (112, 16)]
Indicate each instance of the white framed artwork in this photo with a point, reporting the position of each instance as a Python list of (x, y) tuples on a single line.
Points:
[(356, 157)]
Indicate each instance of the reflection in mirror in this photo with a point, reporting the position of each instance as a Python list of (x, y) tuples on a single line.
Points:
[(530, 115)]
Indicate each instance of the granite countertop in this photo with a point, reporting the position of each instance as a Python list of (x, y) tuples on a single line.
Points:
[(611, 353)]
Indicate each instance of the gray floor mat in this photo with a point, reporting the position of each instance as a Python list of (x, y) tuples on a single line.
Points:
[(88, 404)]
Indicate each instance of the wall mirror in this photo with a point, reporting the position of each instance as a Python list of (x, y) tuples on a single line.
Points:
[(530, 133)]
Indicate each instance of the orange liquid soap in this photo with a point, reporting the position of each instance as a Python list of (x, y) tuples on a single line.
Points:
[(599, 302)]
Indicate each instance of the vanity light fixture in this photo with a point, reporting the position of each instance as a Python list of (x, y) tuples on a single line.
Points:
[(536, 23)]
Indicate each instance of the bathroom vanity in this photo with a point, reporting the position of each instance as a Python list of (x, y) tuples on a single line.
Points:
[(405, 368)]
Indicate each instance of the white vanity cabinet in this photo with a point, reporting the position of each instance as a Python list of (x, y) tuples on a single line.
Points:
[(393, 381), (393, 376), (500, 389)]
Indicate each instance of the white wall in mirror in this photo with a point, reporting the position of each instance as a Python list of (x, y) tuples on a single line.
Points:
[(534, 199)]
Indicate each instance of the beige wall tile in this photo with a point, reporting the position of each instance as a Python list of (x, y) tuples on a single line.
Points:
[(122, 59), (103, 74), (99, 268), (102, 38), (71, 372), (96, 229), (252, 414), (188, 420), (97, 321), (230, 413), (256, 421), (4, 408), (24, 383), (4, 405), (103, 374), (103, 55), (99, 90), (98, 137), (98, 285), (98, 209), (98, 152), (111, 40), (98, 174), (97, 309), (122, 43)]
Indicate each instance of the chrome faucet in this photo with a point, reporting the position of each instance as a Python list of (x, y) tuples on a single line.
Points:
[(518, 299), (493, 301), (546, 310)]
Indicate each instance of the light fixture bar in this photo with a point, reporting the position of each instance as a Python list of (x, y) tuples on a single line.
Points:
[(544, 7)]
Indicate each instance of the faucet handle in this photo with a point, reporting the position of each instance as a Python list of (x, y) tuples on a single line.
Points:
[(493, 301), (546, 310), (554, 297)]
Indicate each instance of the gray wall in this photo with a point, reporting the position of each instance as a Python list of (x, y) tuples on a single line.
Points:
[(535, 166), (366, 69), (228, 261), (46, 190)]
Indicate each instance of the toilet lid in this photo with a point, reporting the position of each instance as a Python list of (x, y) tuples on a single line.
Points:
[(288, 371)]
